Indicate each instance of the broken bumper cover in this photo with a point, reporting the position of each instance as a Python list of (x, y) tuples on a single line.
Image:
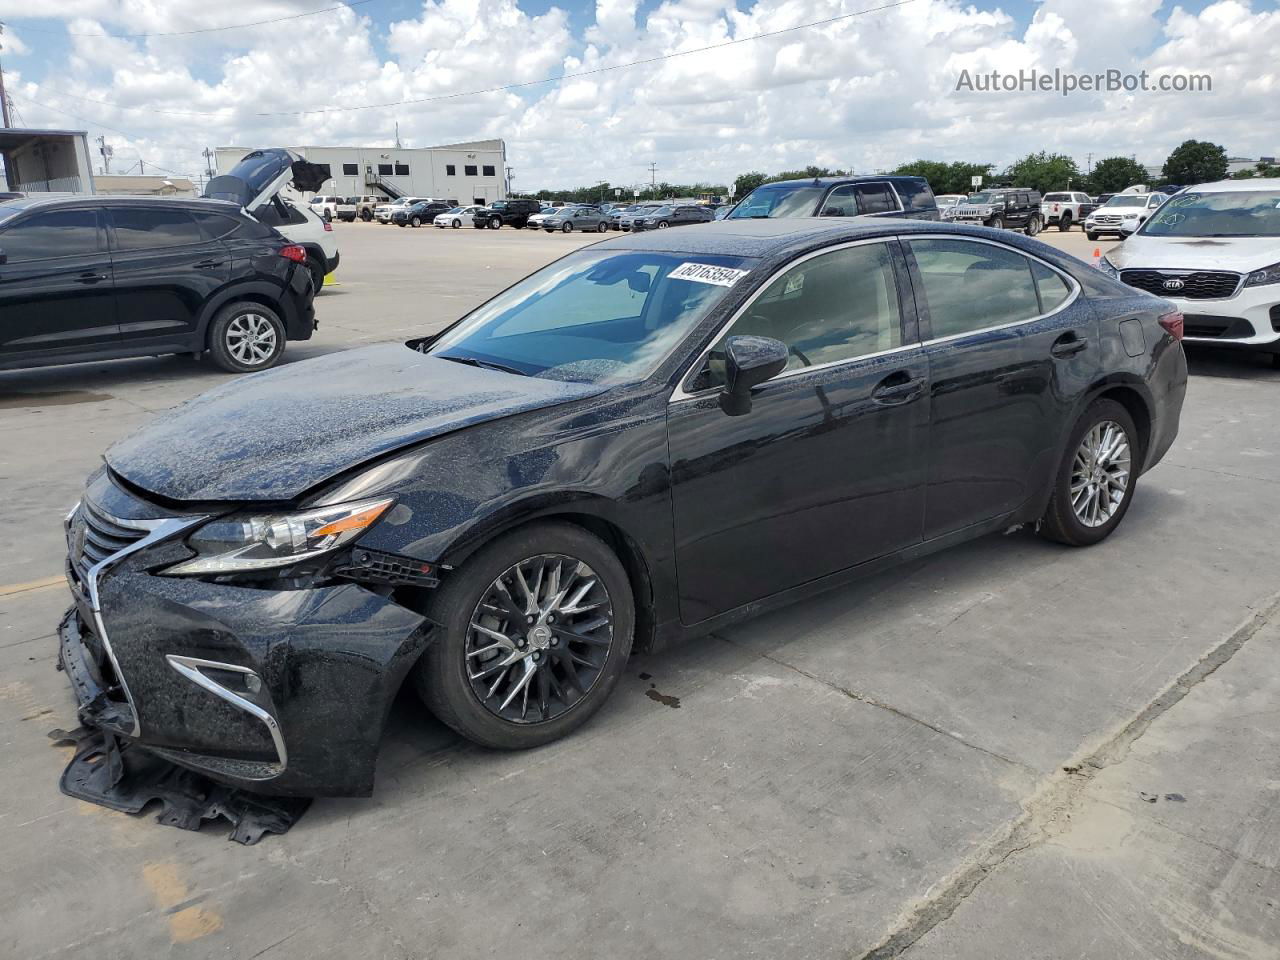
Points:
[(283, 692)]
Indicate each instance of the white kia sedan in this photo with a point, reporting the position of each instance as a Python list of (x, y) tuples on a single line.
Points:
[(1214, 250)]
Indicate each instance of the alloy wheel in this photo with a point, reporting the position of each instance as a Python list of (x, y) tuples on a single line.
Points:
[(251, 339), (539, 638), (1100, 473)]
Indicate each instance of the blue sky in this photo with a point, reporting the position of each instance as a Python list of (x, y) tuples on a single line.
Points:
[(868, 92)]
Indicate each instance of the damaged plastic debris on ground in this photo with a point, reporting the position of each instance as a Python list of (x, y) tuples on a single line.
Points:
[(121, 777)]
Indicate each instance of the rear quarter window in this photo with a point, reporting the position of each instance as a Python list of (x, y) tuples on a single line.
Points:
[(916, 195)]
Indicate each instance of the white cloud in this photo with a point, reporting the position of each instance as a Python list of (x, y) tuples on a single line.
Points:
[(865, 92)]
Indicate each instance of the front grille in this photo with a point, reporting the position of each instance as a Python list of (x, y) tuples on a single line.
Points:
[(1110, 219), (94, 536), (1199, 285), (1219, 328)]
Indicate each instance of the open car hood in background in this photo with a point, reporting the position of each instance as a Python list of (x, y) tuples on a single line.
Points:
[(262, 174)]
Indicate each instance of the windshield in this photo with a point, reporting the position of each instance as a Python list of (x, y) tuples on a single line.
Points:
[(779, 200), (452, 210), (658, 211), (986, 197), (1246, 213), (1128, 200), (593, 317), (1057, 198)]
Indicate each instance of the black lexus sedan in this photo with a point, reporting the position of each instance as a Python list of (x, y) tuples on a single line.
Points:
[(642, 441)]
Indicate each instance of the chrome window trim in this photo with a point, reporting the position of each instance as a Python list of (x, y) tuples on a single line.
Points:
[(680, 393), (157, 530), (1071, 282), (190, 667), (897, 197)]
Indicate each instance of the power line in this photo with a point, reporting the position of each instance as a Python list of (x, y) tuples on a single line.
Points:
[(190, 33), (526, 83), (94, 123)]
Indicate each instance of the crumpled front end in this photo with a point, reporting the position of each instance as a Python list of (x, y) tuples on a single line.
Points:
[(280, 691)]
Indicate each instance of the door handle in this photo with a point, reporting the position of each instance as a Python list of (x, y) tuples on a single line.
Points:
[(207, 264), (90, 277), (1068, 345), (897, 388)]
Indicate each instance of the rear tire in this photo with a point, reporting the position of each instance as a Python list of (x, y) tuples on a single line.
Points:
[(239, 341), (317, 272), (1062, 520), (443, 677), (1065, 223)]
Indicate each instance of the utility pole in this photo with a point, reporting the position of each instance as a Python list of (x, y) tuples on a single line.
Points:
[(510, 176), (653, 176), (106, 152), (208, 161), (4, 97), (1089, 157), (397, 134)]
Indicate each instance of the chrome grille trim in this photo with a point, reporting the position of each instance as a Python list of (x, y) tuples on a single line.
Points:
[(153, 531)]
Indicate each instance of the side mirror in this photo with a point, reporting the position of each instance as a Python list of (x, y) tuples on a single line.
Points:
[(749, 362)]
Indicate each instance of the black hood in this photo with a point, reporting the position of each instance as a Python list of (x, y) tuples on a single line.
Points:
[(274, 435)]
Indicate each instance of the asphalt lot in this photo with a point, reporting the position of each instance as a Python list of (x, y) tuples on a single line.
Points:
[(878, 772)]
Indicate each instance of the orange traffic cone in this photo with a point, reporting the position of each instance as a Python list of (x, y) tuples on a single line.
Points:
[(1097, 256)]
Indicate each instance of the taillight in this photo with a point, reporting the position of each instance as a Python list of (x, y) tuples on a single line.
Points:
[(1173, 324), (294, 252), (328, 227)]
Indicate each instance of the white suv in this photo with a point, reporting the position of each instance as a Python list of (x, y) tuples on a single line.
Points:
[(1214, 250), (1122, 214)]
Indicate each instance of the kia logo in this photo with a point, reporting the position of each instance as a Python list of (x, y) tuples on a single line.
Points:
[(1174, 284)]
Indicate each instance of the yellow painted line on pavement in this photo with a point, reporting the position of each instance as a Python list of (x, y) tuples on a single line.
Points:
[(44, 583)]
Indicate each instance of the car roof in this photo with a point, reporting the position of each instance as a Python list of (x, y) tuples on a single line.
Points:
[(849, 178), (1237, 186), (120, 200), (780, 236)]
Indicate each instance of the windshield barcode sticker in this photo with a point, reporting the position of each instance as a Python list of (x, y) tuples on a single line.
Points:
[(707, 273)]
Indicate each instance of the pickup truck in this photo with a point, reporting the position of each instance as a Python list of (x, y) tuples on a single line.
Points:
[(1064, 210)]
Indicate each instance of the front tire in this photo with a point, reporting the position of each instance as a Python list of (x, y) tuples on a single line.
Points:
[(245, 337), (456, 224), (536, 630), (415, 222), (495, 223), (1064, 224), (1033, 226), (1096, 480), (997, 223), (567, 228)]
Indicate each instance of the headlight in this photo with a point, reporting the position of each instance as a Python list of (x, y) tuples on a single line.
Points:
[(1131, 216), (262, 541), (1260, 278), (1109, 268)]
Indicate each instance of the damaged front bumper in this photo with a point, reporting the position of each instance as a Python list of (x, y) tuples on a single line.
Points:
[(283, 692)]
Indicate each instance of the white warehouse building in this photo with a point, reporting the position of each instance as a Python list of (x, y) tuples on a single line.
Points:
[(471, 172)]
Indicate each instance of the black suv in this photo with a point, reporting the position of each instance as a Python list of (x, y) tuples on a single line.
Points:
[(424, 211), (881, 196), (95, 278), (508, 213), (677, 215), (1000, 207)]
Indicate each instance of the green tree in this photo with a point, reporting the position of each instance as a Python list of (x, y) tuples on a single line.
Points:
[(1044, 171), (747, 182), (956, 177), (1113, 174), (1196, 161)]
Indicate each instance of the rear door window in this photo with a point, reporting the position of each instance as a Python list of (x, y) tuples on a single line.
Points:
[(145, 228), (971, 286), (875, 198), (58, 233)]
